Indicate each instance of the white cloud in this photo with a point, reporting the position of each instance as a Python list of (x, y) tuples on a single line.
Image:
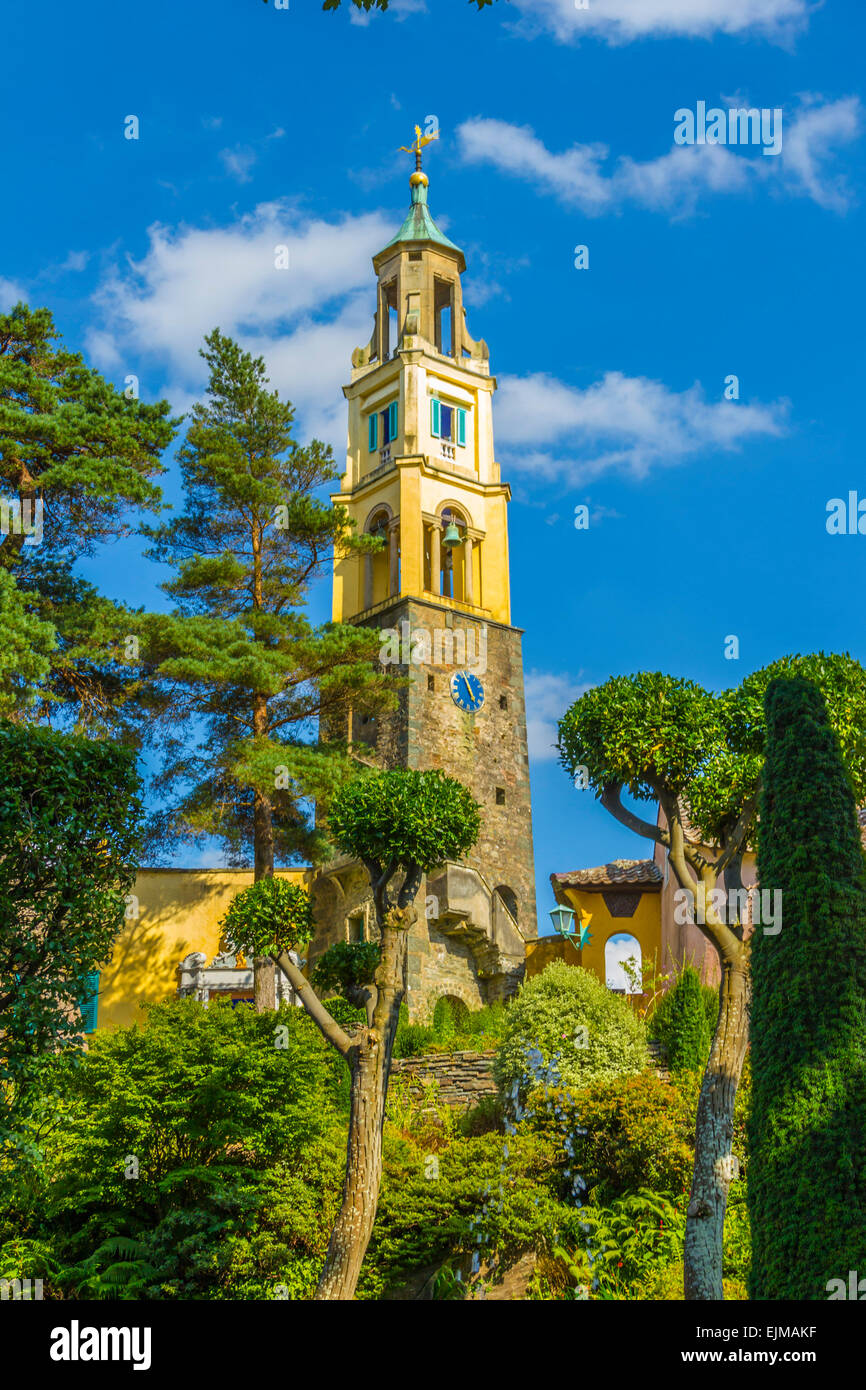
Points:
[(548, 696), (10, 293), (76, 260), (621, 21), (627, 424), (584, 177), (304, 321), (817, 129), (238, 162)]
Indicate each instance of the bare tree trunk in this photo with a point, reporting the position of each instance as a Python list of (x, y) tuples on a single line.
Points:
[(714, 1132), (370, 1061), (354, 1225)]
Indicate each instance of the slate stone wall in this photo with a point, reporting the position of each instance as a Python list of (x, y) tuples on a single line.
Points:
[(462, 1078)]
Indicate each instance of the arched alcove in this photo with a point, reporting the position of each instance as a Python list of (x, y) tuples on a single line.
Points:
[(509, 897), (450, 1014)]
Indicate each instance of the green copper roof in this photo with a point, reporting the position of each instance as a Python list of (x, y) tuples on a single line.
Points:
[(419, 225)]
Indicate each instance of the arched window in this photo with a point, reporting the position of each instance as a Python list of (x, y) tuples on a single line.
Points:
[(454, 557), (378, 576), (623, 964)]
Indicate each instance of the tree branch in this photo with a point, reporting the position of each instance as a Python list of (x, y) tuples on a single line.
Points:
[(610, 800), (326, 1025), (734, 844)]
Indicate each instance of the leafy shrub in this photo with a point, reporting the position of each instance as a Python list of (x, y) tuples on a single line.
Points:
[(450, 1016), (711, 1006), (414, 1039), (343, 1012), (680, 1024), (625, 1134), (172, 1148), (543, 1022), (452, 1030), (493, 1196), (347, 965), (624, 1245), (483, 1118)]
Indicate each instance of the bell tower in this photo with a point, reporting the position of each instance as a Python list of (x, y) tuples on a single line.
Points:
[(422, 475)]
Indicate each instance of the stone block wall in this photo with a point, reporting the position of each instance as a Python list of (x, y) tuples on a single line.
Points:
[(463, 1078)]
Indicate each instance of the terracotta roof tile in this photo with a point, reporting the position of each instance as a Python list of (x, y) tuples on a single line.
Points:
[(617, 872)]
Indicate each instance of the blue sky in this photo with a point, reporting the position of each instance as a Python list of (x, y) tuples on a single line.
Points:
[(257, 126)]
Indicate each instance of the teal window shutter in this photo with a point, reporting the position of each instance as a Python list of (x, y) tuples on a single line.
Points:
[(372, 421), (435, 418), (461, 427), (392, 421), (89, 1002)]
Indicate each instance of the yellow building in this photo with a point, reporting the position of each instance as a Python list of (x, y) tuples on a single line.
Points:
[(171, 942), (619, 905), (420, 451)]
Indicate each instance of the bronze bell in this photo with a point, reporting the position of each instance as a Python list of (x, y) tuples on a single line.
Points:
[(452, 536)]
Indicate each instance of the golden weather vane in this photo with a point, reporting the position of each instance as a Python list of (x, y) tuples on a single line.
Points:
[(418, 144)]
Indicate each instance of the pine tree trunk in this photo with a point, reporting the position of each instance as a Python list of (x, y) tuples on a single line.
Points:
[(714, 1134), (264, 975)]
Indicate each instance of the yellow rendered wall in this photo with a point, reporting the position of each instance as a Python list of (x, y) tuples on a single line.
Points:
[(541, 952), (645, 925), (178, 912)]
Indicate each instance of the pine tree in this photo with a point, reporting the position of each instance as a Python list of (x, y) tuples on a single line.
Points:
[(807, 1132), (245, 674), (77, 457)]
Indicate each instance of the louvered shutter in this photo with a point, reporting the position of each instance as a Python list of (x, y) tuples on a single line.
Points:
[(89, 1002)]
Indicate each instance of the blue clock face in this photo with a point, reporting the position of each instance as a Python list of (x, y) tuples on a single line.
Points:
[(466, 690)]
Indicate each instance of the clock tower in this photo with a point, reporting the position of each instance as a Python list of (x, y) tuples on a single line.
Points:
[(421, 474)]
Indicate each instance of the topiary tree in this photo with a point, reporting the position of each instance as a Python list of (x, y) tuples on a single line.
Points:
[(566, 1017), (698, 757), (400, 824), (273, 911), (807, 1132), (681, 1024)]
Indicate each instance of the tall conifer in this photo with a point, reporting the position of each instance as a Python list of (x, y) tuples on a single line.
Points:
[(807, 1133), (247, 674)]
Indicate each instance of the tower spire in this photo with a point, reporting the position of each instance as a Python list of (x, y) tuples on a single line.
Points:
[(415, 148)]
